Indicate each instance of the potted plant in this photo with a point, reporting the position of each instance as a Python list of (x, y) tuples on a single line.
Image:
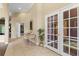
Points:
[(41, 36)]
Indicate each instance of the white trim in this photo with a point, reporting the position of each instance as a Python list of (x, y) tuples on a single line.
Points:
[(45, 31)]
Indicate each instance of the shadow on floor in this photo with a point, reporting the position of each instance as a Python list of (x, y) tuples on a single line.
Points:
[(3, 48)]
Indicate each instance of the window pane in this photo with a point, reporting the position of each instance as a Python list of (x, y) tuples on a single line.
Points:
[(49, 37), (66, 45), (66, 41), (73, 22), (55, 17), (48, 25), (49, 44), (73, 43), (48, 19), (66, 32), (48, 31), (52, 37), (52, 25), (55, 45), (55, 31), (52, 44), (73, 52), (51, 31), (55, 25), (52, 18), (73, 32), (55, 38), (66, 49), (66, 23), (66, 14), (73, 12)]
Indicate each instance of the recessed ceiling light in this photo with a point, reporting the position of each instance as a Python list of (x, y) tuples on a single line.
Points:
[(19, 8)]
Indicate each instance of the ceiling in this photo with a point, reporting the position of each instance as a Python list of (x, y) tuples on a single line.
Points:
[(19, 7)]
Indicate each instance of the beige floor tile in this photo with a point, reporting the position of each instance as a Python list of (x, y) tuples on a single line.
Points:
[(22, 48)]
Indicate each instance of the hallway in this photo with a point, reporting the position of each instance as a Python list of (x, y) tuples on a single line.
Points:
[(27, 48), (55, 26)]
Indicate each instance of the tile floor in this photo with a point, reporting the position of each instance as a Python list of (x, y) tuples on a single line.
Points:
[(27, 48)]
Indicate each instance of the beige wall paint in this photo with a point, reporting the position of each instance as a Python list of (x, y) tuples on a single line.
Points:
[(4, 13), (39, 11), (19, 18), (49, 8), (37, 14)]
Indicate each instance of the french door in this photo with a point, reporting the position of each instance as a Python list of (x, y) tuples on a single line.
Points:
[(62, 31), (70, 29), (52, 32)]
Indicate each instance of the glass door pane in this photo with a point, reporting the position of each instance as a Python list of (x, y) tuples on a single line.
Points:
[(66, 14), (66, 49), (73, 32), (66, 45), (66, 23), (73, 12), (73, 52), (73, 22), (66, 31), (53, 31), (56, 45), (70, 31)]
